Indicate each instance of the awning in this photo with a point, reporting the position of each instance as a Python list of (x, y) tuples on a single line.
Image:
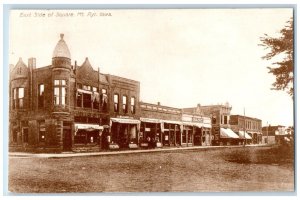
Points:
[(84, 91), (125, 121), (150, 120), (207, 125), (197, 124), (228, 133), (88, 127), (242, 136), (258, 133), (171, 122)]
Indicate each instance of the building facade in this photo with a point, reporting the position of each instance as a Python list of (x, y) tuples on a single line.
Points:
[(277, 134), (221, 134), (248, 128), (71, 107), (65, 107)]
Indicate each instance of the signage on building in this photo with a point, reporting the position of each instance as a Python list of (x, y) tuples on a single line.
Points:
[(124, 117), (198, 119)]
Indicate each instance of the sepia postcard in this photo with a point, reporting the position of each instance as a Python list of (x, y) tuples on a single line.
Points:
[(191, 100)]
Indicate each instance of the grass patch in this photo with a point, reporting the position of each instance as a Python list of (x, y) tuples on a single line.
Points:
[(282, 154)]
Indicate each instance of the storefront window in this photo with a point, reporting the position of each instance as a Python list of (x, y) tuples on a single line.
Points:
[(42, 131), (83, 136)]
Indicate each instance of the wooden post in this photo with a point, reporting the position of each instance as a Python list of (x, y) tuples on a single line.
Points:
[(193, 134), (175, 135)]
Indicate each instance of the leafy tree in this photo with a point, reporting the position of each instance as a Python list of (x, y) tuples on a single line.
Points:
[(282, 45)]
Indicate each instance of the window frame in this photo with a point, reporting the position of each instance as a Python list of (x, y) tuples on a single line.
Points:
[(116, 103), (124, 104), (41, 97), (61, 85)]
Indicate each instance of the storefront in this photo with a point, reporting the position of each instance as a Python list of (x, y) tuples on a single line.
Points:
[(124, 132), (150, 133), (87, 136), (171, 132), (196, 130), (188, 132), (256, 137), (243, 135), (228, 137)]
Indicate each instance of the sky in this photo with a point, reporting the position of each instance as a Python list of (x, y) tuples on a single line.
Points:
[(182, 57)]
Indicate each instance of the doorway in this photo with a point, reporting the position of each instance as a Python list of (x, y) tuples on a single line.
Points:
[(67, 137)]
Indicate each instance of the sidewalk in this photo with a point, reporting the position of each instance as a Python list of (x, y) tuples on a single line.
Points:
[(117, 152)]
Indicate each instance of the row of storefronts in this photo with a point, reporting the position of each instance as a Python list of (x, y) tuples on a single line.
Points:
[(70, 107)]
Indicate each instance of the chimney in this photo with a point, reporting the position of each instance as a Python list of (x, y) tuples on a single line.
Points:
[(32, 63), (158, 103)]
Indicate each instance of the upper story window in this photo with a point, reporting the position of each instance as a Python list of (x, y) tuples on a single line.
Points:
[(18, 98), (214, 120), (132, 105), (86, 87), (95, 89), (95, 98), (225, 119), (116, 102), (59, 92), (124, 104), (104, 99), (41, 95)]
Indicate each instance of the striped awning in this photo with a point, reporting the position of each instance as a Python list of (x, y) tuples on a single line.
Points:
[(228, 133), (242, 135)]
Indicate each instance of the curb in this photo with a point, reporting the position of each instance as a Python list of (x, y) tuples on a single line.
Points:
[(69, 155)]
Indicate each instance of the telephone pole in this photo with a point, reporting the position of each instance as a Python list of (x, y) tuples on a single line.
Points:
[(244, 128)]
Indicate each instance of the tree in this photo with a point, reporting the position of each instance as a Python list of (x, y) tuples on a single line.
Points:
[(282, 45)]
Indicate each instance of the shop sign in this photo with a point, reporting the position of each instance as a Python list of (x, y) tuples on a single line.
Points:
[(124, 117), (198, 119)]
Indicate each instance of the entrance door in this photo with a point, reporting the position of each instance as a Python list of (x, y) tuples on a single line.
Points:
[(67, 140)]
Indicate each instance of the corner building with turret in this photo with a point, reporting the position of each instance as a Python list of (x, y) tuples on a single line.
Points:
[(65, 107)]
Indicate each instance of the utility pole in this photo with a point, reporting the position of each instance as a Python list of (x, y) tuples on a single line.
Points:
[(244, 128), (267, 133)]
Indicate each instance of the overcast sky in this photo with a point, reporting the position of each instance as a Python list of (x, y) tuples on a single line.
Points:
[(181, 57)]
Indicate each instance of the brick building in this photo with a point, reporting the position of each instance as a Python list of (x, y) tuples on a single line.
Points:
[(277, 134), (251, 126), (71, 107), (63, 107), (221, 134)]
